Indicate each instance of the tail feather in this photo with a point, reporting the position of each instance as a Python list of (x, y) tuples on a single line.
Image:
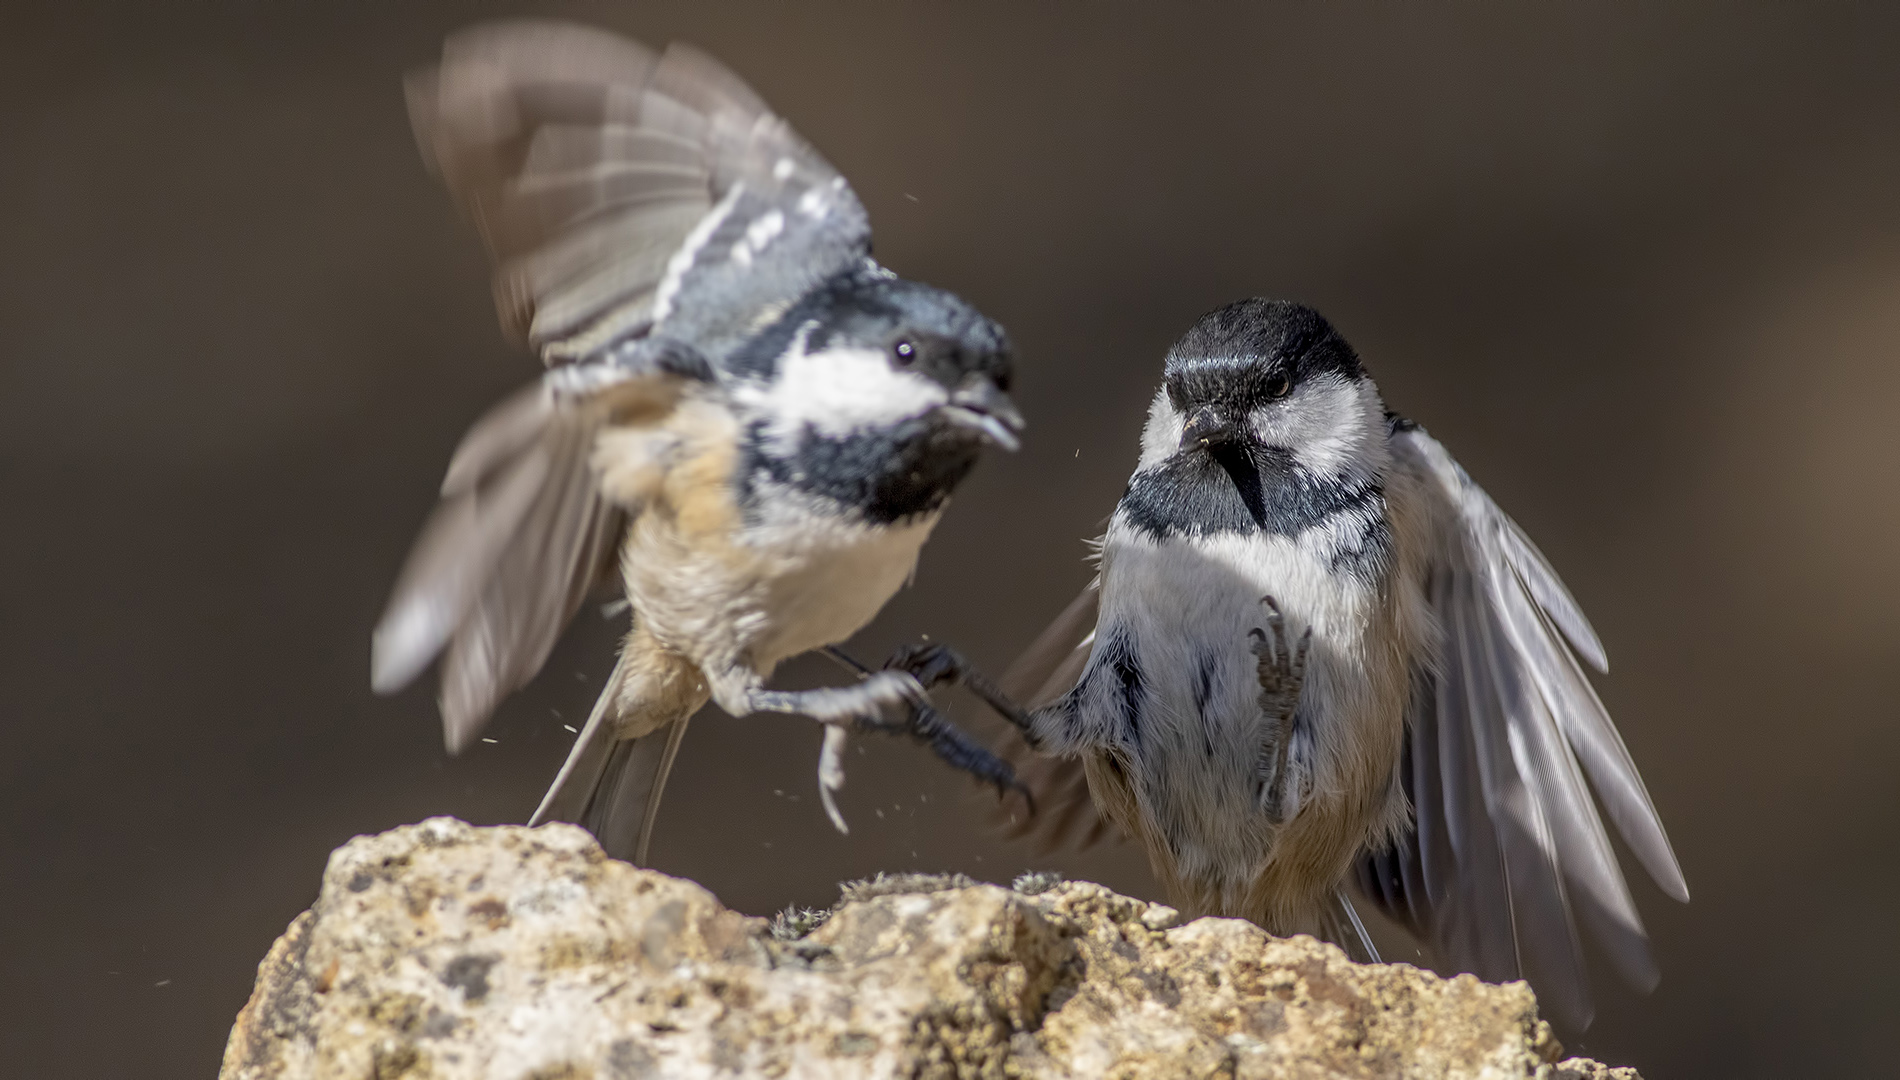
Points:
[(627, 800), (611, 785), (1341, 925)]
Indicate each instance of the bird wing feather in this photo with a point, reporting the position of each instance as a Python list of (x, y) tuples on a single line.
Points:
[(1508, 852), (520, 537), (1066, 817), (624, 193)]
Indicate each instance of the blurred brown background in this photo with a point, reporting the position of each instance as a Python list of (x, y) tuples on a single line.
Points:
[(1639, 267)]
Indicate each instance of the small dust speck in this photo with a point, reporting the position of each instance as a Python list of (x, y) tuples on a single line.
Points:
[(486, 739), (572, 728), (780, 792), (163, 982), (1078, 451), (911, 197), (880, 815)]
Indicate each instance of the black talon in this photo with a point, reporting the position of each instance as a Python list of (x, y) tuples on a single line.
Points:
[(927, 725), (1282, 675), (933, 664), (961, 752), (929, 663)]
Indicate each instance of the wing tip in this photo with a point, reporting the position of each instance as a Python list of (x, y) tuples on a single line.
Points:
[(1676, 887), (460, 725), (403, 644)]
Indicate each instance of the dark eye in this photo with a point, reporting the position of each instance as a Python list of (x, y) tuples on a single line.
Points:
[(1279, 386), (906, 352)]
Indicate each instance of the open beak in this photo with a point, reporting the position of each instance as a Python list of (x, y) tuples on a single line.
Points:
[(985, 409), (1207, 427)]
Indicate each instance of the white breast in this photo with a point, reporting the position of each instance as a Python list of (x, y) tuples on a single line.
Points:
[(1185, 606), (800, 578), (835, 575)]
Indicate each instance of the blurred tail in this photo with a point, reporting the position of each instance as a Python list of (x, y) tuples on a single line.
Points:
[(1341, 925), (610, 785)]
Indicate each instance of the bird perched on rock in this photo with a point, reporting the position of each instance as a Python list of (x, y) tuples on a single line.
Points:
[(744, 417), (1317, 651)]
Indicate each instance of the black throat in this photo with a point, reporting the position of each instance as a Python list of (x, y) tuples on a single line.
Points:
[(1241, 488), (884, 475)]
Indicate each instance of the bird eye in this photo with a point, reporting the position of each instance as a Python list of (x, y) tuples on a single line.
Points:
[(906, 352), (1279, 386)]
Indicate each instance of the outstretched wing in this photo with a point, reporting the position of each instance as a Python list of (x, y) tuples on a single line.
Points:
[(644, 213), (519, 538), (1065, 817), (1508, 853), (624, 194)]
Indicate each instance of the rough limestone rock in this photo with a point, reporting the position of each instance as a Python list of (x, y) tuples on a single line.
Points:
[(441, 950)]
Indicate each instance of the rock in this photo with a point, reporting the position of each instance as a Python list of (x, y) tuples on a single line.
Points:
[(443, 951)]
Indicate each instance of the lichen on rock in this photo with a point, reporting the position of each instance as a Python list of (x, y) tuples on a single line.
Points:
[(442, 951)]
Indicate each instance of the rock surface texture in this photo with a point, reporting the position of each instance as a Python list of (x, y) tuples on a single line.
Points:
[(441, 950)]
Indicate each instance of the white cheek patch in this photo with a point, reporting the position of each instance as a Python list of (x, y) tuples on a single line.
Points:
[(1161, 437), (1331, 424), (837, 392)]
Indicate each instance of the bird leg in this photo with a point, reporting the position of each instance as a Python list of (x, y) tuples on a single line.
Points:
[(841, 709), (1282, 673), (933, 665), (842, 706), (927, 725), (861, 708)]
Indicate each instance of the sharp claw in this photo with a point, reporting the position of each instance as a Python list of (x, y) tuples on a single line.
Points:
[(831, 775)]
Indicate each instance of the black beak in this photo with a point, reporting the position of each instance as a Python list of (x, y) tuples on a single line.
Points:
[(1207, 426), (982, 405)]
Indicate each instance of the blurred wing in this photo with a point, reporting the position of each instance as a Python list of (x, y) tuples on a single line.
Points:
[(617, 189), (520, 537), (1053, 662), (1508, 852), (1065, 816)]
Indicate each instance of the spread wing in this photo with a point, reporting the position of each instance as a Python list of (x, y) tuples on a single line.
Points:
[(1508, 853), (520, 537), (1065, 816), (624, 193), (644, 213)]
